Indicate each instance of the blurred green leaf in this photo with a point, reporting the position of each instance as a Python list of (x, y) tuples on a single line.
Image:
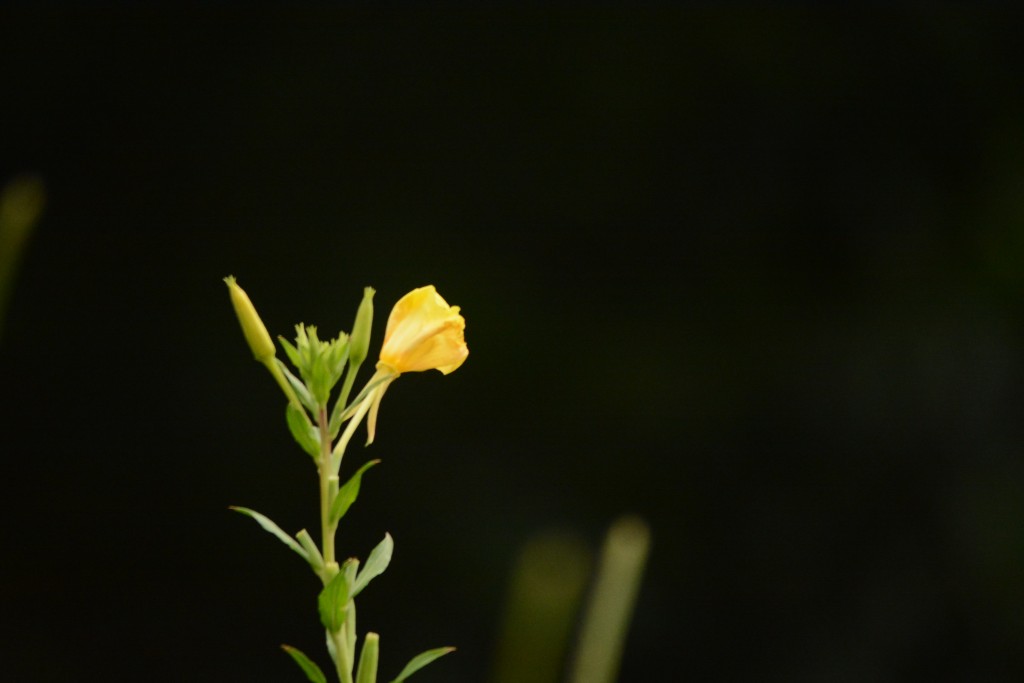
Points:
[(541, 611), (269, 525), (420, 661), (376, 563), (21, 203), (610, 605), (312, 671), (348, 493)]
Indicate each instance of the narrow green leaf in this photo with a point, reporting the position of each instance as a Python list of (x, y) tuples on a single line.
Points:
[(376, 563), (332, 601), (420, 661), (303, 431), (367, 671), (267, 524), (348, 493), (312, 671)]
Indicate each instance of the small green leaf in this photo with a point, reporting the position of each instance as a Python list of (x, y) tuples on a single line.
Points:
[(312, 671), (367, 671), (376, 563), (291, 351), (332, 601), (267, 524), (348, 493), (303, 431), (420, 661)]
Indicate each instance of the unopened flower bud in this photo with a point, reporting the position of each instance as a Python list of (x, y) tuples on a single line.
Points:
[(359, 340), (252, 327)]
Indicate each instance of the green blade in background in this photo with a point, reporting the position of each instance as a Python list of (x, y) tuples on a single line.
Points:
[(21, 203), (610, 606), (542, 602)]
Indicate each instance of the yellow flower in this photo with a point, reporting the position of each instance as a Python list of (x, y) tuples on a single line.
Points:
[(424, 333)]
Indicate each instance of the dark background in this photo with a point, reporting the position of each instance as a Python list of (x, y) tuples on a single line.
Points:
[(754, 274)]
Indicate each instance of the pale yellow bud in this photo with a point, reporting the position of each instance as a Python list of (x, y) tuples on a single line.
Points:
[(252, 327)]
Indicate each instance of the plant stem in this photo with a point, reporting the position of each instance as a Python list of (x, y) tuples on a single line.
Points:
[(342, 662), (324, 469)]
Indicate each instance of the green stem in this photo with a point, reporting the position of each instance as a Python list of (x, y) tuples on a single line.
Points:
[(342, 662), (324, 469)]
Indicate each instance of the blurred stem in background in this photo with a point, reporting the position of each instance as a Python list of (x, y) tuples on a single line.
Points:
[(548, 584), (21, 203), (548, 581), (610, 606)]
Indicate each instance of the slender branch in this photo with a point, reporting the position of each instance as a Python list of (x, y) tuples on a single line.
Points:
[(339, 450)]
